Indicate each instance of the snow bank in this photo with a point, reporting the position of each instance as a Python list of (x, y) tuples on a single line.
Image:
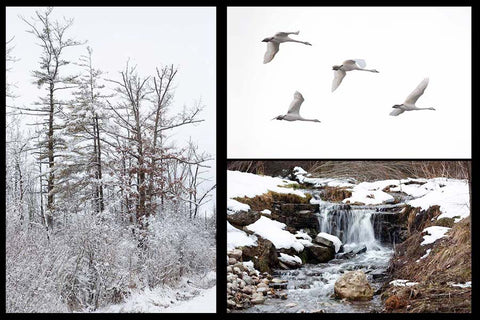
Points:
[(165, 300), (452, 195), (238, 238), (368, 196), (273, 230), (242, 184), (434, 233), (204, 303), (266, 211), (235, 206), (336, 241)]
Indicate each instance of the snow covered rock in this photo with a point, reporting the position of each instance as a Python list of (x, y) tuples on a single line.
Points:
[(329, 240), (291, 262), (274, 231), (353, 285)]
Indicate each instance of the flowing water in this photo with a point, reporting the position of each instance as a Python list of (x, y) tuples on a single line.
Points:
[(310, 288)]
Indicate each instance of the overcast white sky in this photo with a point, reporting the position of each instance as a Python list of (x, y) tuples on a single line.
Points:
[(404, 44), (151, 37)]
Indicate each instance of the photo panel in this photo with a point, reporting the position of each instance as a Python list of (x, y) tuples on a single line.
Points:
[(349, 82), (348, 236)]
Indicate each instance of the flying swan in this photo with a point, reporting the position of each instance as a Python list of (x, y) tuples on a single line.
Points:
[(273, 44), (294, 109), (409, 104), (347, 65)]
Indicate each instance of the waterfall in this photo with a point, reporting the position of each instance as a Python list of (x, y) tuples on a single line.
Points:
[(353, 226)]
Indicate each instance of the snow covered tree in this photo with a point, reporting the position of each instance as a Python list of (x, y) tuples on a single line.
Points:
[(81, 167), (53, 42)]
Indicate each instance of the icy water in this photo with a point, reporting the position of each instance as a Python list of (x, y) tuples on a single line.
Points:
[(311, 287)]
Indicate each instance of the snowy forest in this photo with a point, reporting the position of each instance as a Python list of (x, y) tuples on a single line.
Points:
[(101, 200)]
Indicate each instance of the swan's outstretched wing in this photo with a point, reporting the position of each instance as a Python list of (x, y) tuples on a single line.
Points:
[(338, 76), (397, 111), (413, 97), (349, 62), (272, 49), (296, 103), (360, 62), (284, 34)]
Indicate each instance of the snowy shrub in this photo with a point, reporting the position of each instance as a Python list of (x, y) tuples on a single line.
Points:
[(95, 261)]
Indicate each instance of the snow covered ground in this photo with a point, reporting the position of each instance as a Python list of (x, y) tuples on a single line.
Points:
[(185, 299)]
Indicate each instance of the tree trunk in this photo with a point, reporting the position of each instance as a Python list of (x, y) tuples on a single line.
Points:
[(51, 164), (99, 165)]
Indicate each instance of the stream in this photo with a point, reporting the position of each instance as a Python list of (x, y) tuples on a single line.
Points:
[(311, 287)]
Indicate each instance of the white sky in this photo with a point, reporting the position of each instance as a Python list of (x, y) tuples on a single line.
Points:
[(151, 37), (404, 44)]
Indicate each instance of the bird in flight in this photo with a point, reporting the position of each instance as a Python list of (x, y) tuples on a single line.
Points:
[(409, 104), (347, 65), (273, 44), (293, 113)]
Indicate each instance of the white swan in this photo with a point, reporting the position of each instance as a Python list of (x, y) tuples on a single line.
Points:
[(294, 109), (347, 65), (409, 103), (273, 44)]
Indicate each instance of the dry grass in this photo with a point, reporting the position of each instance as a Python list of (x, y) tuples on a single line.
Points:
[(361, 170), (450, 260), (335, 194)]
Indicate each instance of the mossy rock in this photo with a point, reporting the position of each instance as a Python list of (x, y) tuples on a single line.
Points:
[(335, 194), (445, 222), (266, 200)]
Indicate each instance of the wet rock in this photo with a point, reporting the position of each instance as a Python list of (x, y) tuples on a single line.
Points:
[(289, 262), (361, 249), (319, 254), (236, 254), (277, 283), (323, 241), (353, 285), (243, 218), (297, 216), (264, 255), (257, 298)]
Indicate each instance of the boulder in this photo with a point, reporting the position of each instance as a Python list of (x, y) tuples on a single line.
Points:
[(324, 241), (319, 253), (236, 254), (297, 216), (264, 255), (353, 285), (243, 218), (291, 262)]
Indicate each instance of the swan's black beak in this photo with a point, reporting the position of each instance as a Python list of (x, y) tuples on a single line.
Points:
[(266, 40)]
